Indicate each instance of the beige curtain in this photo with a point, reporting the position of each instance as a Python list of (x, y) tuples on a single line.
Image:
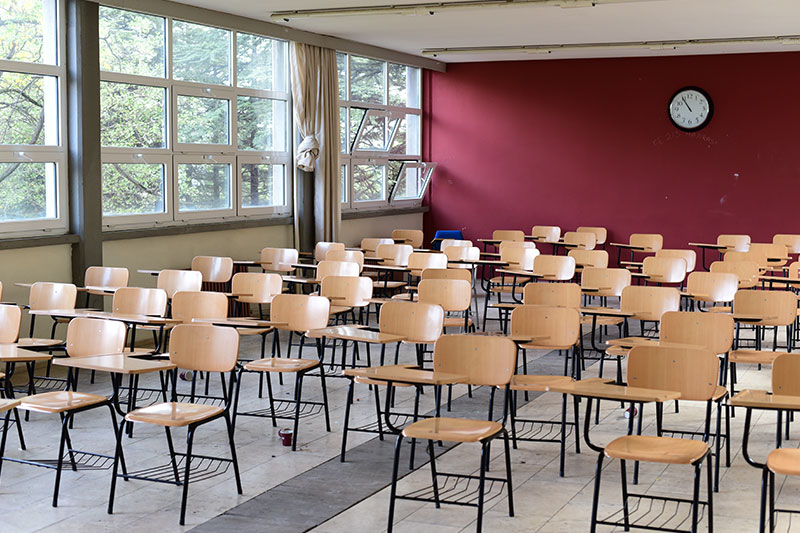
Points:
[(315, 90)]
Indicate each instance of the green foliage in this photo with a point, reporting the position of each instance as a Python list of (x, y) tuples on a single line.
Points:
[(132, 43), (256, 126), (203, 186), (262, 185), (254, 62), (201, 53), (132, 116), (202, 120), (23, 191), (133, 188)]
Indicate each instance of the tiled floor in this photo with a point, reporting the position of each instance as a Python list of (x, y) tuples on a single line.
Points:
[(310, 489)]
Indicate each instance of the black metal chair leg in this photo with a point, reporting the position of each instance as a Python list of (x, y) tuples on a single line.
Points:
[(596, 497), (393, 491), (60, 460), (235, 461), (189, 441), (624, 479), (298, 391), (509, 487), (434, 482)]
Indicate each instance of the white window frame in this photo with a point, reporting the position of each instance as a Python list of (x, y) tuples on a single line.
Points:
[(428, 168), (213, 214), (57, 153), (272, 158), (169, 186), (204, 92), (369, 204)]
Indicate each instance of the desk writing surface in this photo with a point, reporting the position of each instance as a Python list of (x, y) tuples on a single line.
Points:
[(405, 374), (115, 363), (355, 333), (761, 399), (599, 388), (11, 353), (605, 311)]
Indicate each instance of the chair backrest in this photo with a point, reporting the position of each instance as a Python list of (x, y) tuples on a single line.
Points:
[(279, 259), (450, 294), (770, 253), (792, 242), (735, 243), (778, 308), (48, 295), (609, 281), (97, 276), (301, 312), (746, 272), (516, 244), (10, 316), (601, 234), (1, 289), (691, 371), (550, 326), (336, 268), (347, 291), (710, 330), (690, 256), (486, 360), (322, 248), (139, 301), (256, 287), (447, 273), (589, 258), (352, 256), (394, 254), (665, 269), (190, 305), (173, 281), (412, 237), (213, 269), (519, 258), (585, 240), (508, 235), (418, 322), (552, 294), (462, 253), (546, 233), (370, 245), (203, 347), (713, 286), (555, 267), (648, 302), (446, 243), (419, 261), (786, 374), (793, 270), (95, 336), (652, 242)]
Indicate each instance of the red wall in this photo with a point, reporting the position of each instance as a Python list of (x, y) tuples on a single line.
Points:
[(589, 142)]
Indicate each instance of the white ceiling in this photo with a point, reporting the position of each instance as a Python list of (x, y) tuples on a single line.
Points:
[(632, 21)]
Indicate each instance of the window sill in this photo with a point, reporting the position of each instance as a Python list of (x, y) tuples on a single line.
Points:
[(185, 229), (384, 212), (44, 240)]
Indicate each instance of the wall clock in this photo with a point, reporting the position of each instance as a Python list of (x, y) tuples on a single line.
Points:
[(690, 109)]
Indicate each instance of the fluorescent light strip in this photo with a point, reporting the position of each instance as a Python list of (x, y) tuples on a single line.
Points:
[(434, 7), (788, 40)]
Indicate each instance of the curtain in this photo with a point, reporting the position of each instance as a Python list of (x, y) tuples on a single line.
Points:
[(315, 91)]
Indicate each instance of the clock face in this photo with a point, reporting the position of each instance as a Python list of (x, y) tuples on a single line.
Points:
[(690, 109)]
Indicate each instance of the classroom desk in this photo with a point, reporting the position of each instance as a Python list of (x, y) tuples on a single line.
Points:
[(720, 248), (595, 312), (357, 334)]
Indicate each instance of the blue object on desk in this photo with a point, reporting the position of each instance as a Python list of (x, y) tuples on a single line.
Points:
[(445, 234)]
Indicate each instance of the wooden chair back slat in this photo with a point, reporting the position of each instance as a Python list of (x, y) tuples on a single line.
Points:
[(589, 258), (347, 291), (652, 242), (394, 254), (301, 312), (738, 243), (139, 301), (94, 336), (710, 330), (746, 272), (452, 295), (609, 281), (786, 375), (713, 286), (665, 269), (214, 269), (690, 256), (337, 268), (10, 317), (419, 261), (584, 239), (447, 273), (552, 326), (649, 303), (173, 281), (256, 287), (791, 242), (370, 245), (519, 258), (600, 233), (187, 306), (279, 259), (47, 295), (546, 233), (203, 347), (555, 267), (508, 235), (98, 276), (691, 371), (352, 256), (418, 322), (322, 249), (412, 237), (486, 360), (552, 294), (778, 308)]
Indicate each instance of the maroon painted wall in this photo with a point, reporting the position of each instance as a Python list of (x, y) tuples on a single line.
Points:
[(589, 143)]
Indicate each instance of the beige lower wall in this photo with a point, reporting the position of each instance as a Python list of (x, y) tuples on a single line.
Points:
[(355, 229)]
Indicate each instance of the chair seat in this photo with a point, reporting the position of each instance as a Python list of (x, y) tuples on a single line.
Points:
[(537, 383), (761, 357), (618, 351), (59, 401), (388, 284), (253, 331), (173, 414), (38, 343), (720, 309), (452, 429), (784, 461), (7, 403), (402, 296), (656, 449), (719, 392), (454, 322), (278, 364), (534, 346), (338, 309), (370, 381), (603, 320)]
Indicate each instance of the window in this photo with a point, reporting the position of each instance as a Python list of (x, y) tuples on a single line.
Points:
[(33, 173), (198, 133), (380, 129)]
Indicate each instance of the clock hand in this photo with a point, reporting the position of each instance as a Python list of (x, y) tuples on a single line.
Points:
[(687, 105)]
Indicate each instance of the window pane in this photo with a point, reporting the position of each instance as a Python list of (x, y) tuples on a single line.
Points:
[(201, 53), (203, 120), (28, 191), (262, 185), (28, 109), (343, 143), (376, 132), (369, 182), (403, 85), (356, 115), (133, 188), (204, 186), (411, 183), (344, 183), (341, 65), (132, 43), (132, 115), (367, 80), (261, 123), (406, 141), (260, 62), (28, 31)]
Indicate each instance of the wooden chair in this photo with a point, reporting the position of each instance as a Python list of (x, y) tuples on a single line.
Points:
[(445, 273), (256, 288), (336, 268), (747, 272), (298, 314), (580, 239), (515, 244), (554, 267), (279, 260), (139, 301), (394, 254), (198, 348), (446, 243), (767, 309), (712, 287), (85, 337), (7, 405), (546, 233), (351, 256), (660, 270), (690, 256), (322, 248), (589, 259), (346, 294), (104, 278), (412, 237), (690, 371), (551, 328), (419, 261), (605, 282), (173, 281), (734, 243), (508, 235), (552, 295), (186, 306), (462, 253), (213, 269), (792, 242), (771, 255), (370, 245), (484, 360), (47, 296), (648, 304), (640, 242), (600, 233), (420, 323), (519, 259), (10, 318), (453, 296)]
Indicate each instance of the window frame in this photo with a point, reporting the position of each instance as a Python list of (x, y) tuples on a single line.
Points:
[(210, 214)]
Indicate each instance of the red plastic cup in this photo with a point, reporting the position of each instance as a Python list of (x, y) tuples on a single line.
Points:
[(286, 435)]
